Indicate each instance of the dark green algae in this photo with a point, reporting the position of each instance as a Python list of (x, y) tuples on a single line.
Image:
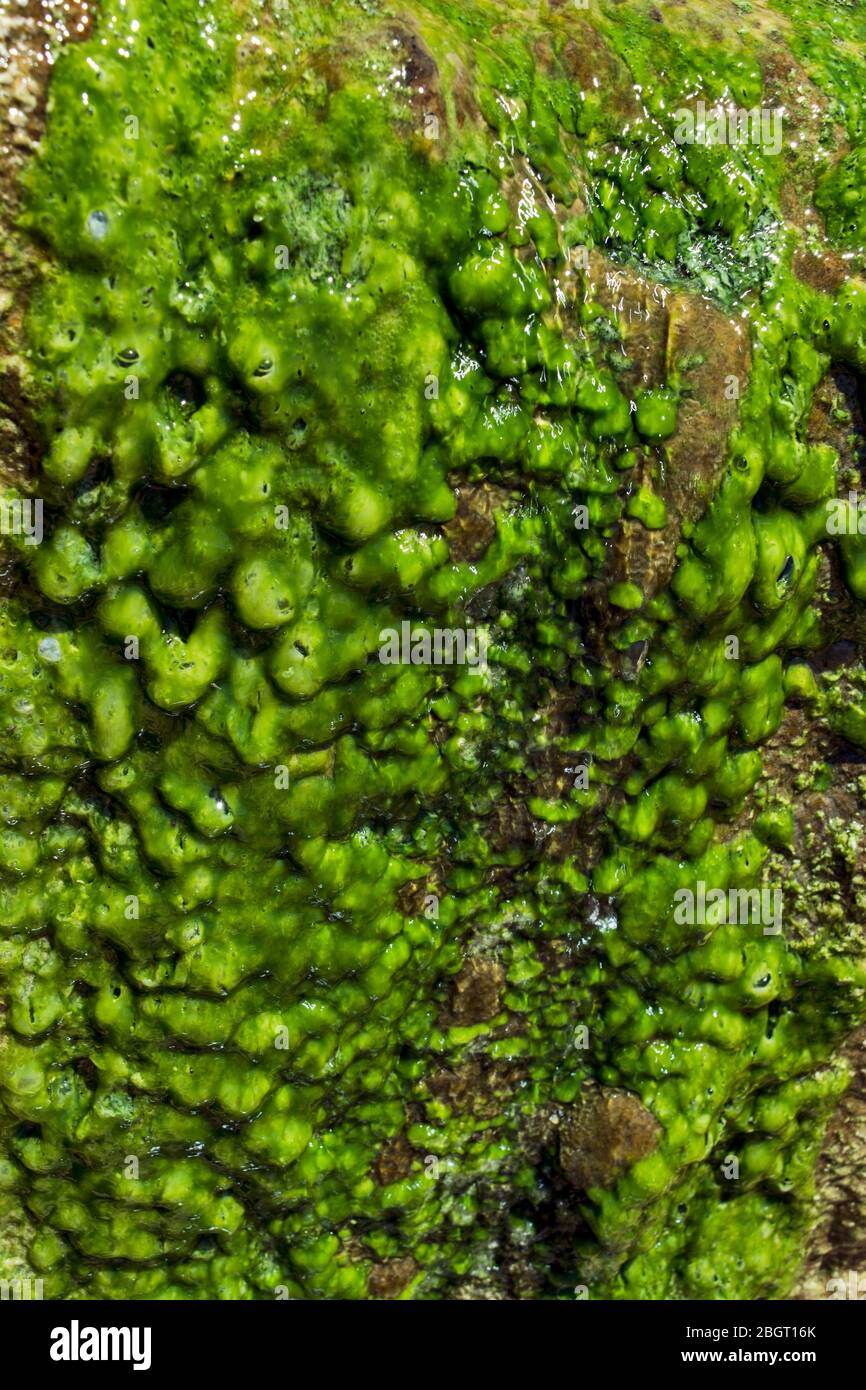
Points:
[(240, 868)]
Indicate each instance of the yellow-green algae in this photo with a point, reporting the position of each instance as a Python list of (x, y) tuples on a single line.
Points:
[(299, 285)]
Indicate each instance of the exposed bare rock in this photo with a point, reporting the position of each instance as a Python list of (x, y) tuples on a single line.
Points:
[(668, 333), (604, 1135), (476, 1087), (838, 1246), (390, 1277), (476, 992), (473, 526), (394, 1160)]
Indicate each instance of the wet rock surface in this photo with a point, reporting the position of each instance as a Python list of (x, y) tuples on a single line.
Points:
[(664, 330)]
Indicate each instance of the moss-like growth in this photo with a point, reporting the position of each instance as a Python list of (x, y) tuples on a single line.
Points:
[(335, 976)]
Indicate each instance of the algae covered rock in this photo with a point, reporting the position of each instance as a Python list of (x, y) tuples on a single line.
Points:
[(434, 485)]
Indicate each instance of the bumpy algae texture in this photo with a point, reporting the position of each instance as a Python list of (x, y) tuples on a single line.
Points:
[(332, 978)]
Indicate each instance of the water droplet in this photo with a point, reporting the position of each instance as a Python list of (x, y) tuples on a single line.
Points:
[(97, 225), (49, 649)]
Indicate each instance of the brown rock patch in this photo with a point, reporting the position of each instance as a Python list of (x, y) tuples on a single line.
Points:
[(604, 1135)]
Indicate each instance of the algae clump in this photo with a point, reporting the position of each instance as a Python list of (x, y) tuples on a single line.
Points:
[(334, 977)]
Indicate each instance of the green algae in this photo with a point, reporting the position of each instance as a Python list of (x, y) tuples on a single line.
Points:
[(284, 320)]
